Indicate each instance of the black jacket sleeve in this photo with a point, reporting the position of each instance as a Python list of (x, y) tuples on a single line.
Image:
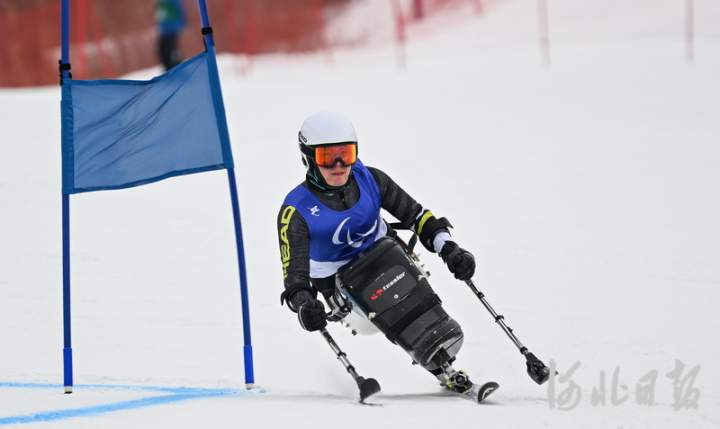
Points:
[(295, 256), (408, 211), (395, 200)]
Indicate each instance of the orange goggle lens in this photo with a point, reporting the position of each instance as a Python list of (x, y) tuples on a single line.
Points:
[(327, 156)]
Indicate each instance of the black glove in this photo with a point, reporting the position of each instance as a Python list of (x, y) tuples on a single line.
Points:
[(459, 261), (312, 315)]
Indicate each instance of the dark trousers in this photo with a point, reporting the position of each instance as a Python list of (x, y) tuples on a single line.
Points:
[(169, 51)]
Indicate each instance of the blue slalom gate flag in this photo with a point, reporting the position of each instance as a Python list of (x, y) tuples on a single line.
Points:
[(123, 133)]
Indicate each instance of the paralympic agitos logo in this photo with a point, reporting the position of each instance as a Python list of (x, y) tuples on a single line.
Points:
[(349, 241), (378, 293)]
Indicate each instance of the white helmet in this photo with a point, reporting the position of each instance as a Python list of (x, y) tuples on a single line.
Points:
[(326, 128), (323, 128)]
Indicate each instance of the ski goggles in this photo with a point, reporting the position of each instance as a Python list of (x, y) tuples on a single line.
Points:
[(328, 156)]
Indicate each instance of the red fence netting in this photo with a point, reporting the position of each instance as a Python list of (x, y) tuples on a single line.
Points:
[(110, 38)]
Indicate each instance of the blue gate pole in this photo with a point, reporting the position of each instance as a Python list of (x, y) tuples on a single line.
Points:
[(67, 339), (227, 156), (247, 349)]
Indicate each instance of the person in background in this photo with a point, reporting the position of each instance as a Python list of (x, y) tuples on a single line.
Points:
[(170, 17)]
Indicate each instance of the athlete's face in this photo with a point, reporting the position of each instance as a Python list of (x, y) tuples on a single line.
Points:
[(337, 175)]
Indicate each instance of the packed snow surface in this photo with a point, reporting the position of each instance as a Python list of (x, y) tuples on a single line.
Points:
[(589, 192)]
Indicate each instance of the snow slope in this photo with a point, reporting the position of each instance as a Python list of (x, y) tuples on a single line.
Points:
[(588, 192)]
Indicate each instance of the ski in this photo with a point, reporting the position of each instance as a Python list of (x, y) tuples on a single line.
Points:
[(486, 390)]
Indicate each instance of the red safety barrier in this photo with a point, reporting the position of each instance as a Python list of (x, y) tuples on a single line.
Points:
[(400, 32), (29, 42), (110, 38), (429, 7)]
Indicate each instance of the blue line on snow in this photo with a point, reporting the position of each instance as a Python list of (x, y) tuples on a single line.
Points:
[(176, 394)]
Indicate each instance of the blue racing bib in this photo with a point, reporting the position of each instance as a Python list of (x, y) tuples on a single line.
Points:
[(337, 236)]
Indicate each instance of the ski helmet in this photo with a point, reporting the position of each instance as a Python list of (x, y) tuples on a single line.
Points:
[(326, 130)]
